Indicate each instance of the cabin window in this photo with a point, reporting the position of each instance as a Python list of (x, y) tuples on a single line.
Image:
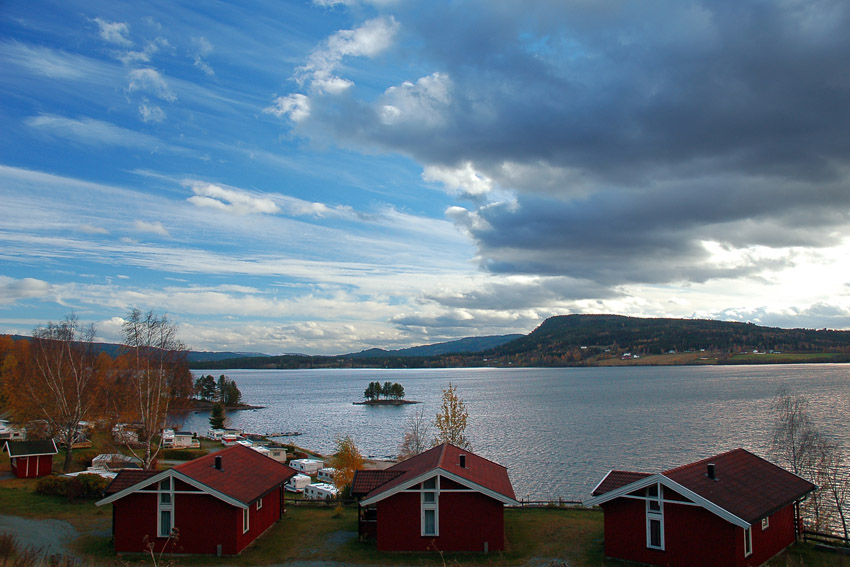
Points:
[(748, 542), (165, 519), (765, 523), (260, 504), (246, 520), (430, 490), (654, 517)]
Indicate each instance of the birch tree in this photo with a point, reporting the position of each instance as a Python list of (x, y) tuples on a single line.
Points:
[(156, 377), (451, 420), (58, 383), (417, 431)]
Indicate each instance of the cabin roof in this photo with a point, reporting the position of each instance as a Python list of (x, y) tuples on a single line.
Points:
[(744, 489), (30, 448), (477, 473)]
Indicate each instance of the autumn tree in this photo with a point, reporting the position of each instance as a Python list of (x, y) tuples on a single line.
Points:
[(417, 431), (58, 381), (345, 460), (451, 420), (156, 377)]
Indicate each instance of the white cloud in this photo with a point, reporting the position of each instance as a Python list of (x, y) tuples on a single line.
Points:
[(423, 103), (204, 49), (151, 227), (463, 179), (89, 131), (91, 229), (296, 106), (230, 199), (12, 290), (369, 40), (114, 32), (151, 112), (150, 81)]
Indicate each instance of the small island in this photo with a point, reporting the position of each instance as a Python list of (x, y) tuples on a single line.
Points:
[(388, 394)]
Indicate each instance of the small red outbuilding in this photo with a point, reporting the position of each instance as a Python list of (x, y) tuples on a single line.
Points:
[(733, 509), (31, 459), (445, 499), (216, 504)]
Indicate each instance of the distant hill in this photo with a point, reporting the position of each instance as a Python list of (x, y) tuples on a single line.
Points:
[(114, 349), (576, 338), (469, 344)]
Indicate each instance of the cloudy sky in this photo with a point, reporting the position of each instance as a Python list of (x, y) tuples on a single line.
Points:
[(323, 177)]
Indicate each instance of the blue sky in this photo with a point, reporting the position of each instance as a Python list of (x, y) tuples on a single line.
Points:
[(324, 177)]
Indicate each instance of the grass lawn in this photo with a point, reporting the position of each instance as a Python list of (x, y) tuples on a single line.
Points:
[(539, 536)]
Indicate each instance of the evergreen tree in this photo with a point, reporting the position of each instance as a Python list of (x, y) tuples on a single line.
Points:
[(217, 416)]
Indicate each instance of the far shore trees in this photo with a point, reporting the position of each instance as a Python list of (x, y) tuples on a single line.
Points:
[(156, 377), (57, 382), (452, 419)]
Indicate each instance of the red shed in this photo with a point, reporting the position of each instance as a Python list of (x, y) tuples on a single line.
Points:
[(734, 509), (31, 459), (445, 499), (216, 504)]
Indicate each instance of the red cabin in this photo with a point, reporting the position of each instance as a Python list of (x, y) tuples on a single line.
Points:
[(216, 504), (31, 459), (733, 509), (445, 499)]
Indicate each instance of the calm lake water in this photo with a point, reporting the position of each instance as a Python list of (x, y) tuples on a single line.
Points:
[(558, 430)]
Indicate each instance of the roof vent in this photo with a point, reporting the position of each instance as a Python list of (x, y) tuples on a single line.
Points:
[(218, 462), (710, 472), (462, 461)]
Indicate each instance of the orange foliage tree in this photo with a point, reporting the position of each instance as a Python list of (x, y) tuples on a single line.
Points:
[(53, 378)]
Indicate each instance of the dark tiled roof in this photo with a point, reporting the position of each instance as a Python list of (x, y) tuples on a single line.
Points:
[(616, 479), (746, 485), (478, 470), (127, 478), (365, 481), (30, 448), (245, 474)]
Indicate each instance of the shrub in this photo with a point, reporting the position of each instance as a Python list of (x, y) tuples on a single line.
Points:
[(85, 457), (181, 454), (89, 486)]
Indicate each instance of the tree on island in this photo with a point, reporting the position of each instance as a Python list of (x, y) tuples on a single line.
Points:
[(217, 416), (228, 392), (451, 420), (388, 390), (206, 388)]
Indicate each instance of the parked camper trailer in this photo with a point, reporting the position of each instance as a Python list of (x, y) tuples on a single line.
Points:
[(297, 483), (307, 466), (320, 491), (326, 474)]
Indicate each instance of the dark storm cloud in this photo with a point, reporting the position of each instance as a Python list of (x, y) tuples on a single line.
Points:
[(641, 129)]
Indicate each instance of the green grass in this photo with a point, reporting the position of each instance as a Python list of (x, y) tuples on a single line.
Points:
[(538, 535)]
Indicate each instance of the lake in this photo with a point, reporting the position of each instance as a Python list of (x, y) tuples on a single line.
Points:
[(558, 430)]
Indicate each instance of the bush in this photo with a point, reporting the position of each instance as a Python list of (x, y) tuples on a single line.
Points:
[(88, 486), (85, 457), (181, 454)]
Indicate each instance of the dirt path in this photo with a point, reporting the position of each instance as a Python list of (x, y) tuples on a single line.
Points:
[(51, 537)]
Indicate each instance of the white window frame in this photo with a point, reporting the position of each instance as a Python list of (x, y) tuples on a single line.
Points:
[(655, 515), (765, 523), (430, 506), (260, 504), (165, 503), (748, 541), (246, 519)]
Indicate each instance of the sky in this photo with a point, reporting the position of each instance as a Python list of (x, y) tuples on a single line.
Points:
[(330, 176)]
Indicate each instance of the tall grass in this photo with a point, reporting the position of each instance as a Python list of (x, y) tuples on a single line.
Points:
[(12, 554)]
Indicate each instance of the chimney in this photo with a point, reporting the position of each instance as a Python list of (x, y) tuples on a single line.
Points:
[(462, 463), (710, 471), (218, 462)]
